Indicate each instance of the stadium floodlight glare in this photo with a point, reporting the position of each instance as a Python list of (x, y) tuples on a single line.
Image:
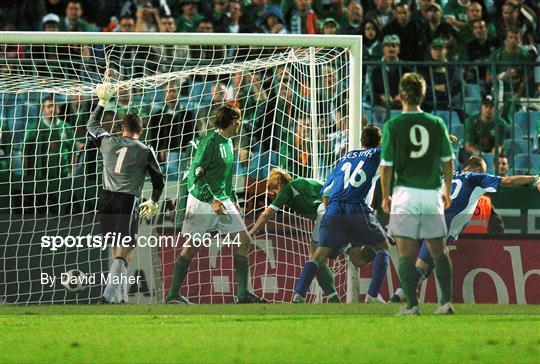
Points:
[(300, 97)]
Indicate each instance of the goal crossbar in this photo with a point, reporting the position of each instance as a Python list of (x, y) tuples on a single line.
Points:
[(290, 40)]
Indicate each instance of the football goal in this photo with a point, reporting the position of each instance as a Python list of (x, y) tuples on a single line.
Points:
[(300, 98)]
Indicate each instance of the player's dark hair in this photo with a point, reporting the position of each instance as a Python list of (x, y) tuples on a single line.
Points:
[(226, 115), (126, 16), (132, 123), (205, 21), (371, 136), (473, 22), (400, 4), (376, 26), (510, 4), (503, 156), (474, 164), (47, 98), (412, 88), (512, 30)]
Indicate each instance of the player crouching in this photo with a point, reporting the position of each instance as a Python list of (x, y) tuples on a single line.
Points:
[(348, 219), (467, 188), (303, 197)]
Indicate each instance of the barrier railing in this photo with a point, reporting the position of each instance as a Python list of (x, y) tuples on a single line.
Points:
[(455, 91)]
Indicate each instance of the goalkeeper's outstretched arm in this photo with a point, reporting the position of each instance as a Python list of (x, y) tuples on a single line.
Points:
[(104, 92), (94, 127)]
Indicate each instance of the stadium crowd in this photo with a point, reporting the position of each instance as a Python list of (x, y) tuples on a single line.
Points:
[(398, 37)]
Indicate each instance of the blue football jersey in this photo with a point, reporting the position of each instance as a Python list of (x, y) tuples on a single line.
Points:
[(467, 187), (353, 179)]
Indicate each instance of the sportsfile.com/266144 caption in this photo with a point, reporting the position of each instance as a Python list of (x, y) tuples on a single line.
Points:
[(196, 240)]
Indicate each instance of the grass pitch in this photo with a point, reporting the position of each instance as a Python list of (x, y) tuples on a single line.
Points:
[(274, 333)]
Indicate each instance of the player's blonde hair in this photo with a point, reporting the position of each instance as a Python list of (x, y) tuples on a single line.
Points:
[(276, 177), (412, 88)]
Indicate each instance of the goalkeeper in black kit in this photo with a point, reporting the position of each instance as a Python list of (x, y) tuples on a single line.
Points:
[(125, 163)]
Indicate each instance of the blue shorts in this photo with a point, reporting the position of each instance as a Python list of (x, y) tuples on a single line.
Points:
[(349, 223)]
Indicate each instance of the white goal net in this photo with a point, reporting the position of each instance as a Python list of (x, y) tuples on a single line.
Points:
[(298, 110)]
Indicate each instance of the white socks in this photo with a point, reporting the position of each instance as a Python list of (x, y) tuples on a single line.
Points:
[(116, 278), (122, 293)]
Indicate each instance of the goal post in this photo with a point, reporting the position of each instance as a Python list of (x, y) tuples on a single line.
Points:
[(301, 98)]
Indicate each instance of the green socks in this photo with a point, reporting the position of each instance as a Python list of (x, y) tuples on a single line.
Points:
[(181, 268), (241, 266), (408, 279), (325, 279), (443, 272)]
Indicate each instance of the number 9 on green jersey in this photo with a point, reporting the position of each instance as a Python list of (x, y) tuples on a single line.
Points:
[(415, 144)]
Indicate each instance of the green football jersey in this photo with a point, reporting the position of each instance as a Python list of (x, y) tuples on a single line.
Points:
[(300, 195), (483, 135), (215, 180), (500, 55), (415, 144)]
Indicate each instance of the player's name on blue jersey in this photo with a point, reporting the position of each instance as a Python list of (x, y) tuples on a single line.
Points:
[(361, 153), (353, 178)]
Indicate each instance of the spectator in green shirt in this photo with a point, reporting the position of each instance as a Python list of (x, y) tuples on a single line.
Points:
[(73, 22), (187, 22), (482, 135), (47, 157), (455, 13), (436, 25), (513, 77), (474, 13), (334, 9), (455, 49)]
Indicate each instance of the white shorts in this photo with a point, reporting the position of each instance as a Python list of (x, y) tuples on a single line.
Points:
[(417, 213), (200, 218), (315, 232)]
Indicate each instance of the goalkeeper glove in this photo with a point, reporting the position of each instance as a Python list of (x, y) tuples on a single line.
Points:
[(105, 91), (148, 209)]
